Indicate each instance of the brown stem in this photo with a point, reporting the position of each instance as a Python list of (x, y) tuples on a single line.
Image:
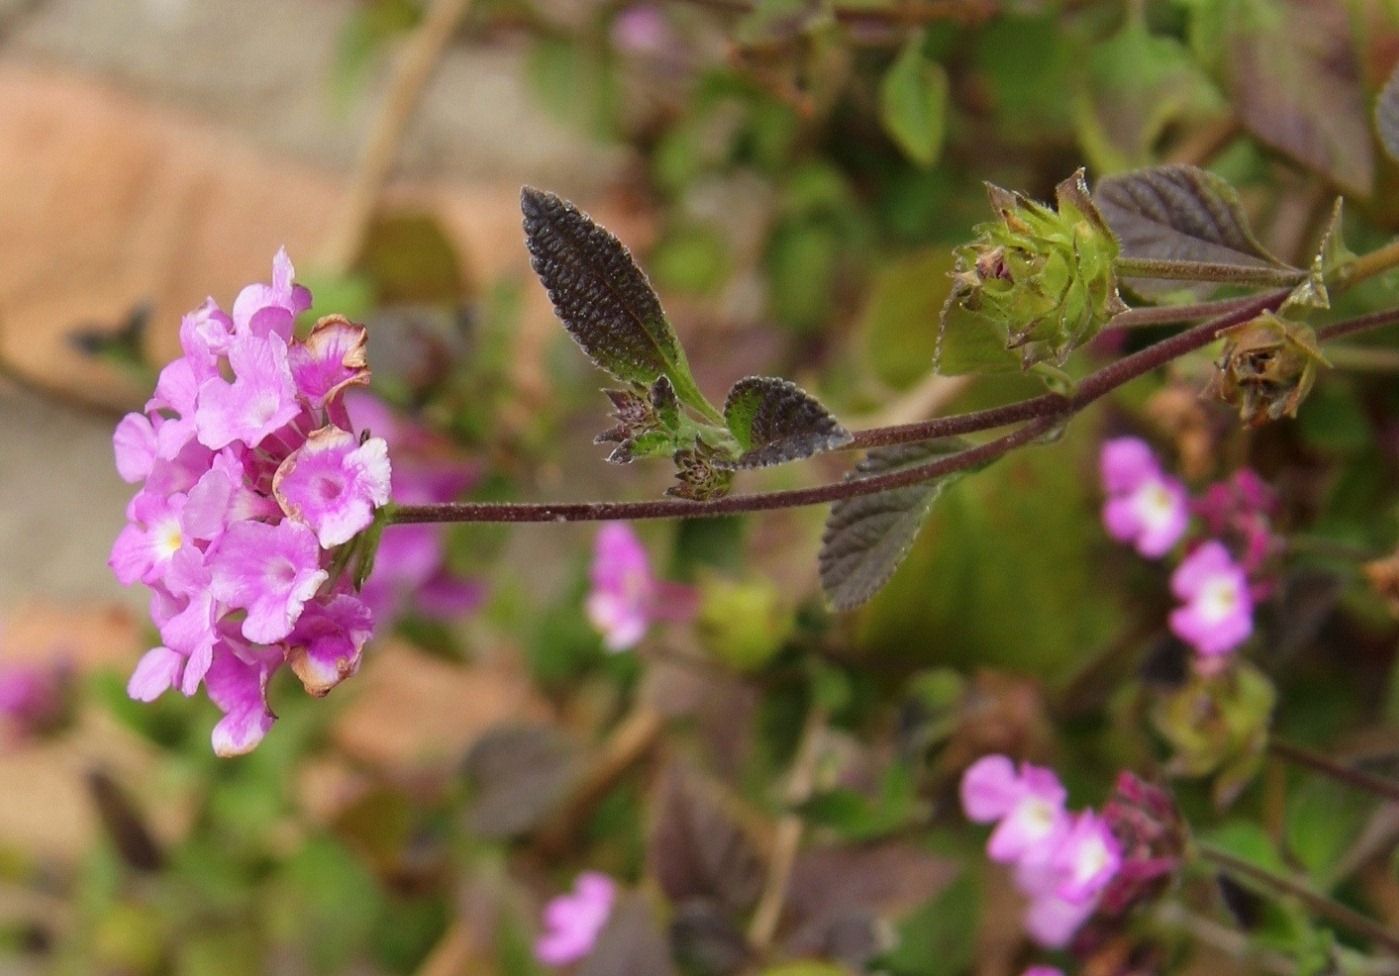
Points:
[(787, 841), (1381, 786), (1334, 911), (411, 72), (1361, 323), (1043, 412)]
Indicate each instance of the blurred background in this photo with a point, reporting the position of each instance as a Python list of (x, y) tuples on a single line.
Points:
[(793, 176)]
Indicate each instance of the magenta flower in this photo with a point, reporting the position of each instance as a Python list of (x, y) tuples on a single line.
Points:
[(1029, 806), (1063, 862), (333, 483), (35, 699), (270, 571), (1088, 857), (261, 398), (626, 598), (1144, 507), (1239, 511), (573, 922), (254, 486), (1043, 970), (1218, 613), (411, 572)]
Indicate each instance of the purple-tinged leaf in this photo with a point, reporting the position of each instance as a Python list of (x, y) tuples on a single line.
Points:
[(775, 421), (1387, 115), (1180, 213), (630, 943), (706, 941), (868, 536), (1291, 71), (698, 848), (519, 775)]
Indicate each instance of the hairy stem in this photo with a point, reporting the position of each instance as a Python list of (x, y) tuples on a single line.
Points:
[(1315, 902), (1043, 413), (1225, 274)]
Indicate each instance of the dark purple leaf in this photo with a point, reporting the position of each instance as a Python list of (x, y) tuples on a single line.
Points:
[(698, 848), (776, 421), (631, 943), (1291, 71), (1179, 213), (518, 775)]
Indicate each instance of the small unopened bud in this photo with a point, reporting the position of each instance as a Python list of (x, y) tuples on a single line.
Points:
[(1041, 279), (1268, 368)]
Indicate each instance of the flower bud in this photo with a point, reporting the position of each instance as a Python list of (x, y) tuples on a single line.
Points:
[(1268, 368), (1041, 280)]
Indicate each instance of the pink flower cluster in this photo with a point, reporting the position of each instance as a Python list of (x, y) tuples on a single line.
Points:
[(626, 596), (1151, 510), (254, 490), (1063, 861), (573, 922)]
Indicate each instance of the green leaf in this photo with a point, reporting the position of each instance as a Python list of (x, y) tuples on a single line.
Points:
[(1291, 70), (934, 940), (776, 421), (410, 259), (966, 343), (1136, 85), (1180, 213), (603, 298), (1387, 115), (868, 536), (1324, 821), (913, 103)]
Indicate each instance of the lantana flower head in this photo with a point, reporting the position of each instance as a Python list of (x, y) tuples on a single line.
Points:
[(35, 699), (626, 596), (1217, 611), (255, 490), (573, 922), (1145, 507)]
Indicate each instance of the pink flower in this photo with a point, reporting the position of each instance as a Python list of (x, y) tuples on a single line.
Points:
[(1028, 804), (626, 598), (333, 483), (1218, 612), (1044, 970), (270, 571), (1240, 511), (34, 698), (573, 922), (411, 572), (261, 398), (1144, 507), (1062, 862), (1088, 857), (254, 486)]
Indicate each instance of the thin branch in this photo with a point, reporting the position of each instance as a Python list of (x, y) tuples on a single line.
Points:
[(787, 841), (1319, 904), (1361, 323), (1044, 413), (1382, 786), (411, 72), (1174, 314)]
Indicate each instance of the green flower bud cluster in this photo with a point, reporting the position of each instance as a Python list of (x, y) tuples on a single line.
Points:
[(1041, 280)]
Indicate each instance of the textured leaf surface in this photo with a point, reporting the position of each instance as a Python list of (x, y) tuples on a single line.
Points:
[(1179, 213), (697, 848), (1291, 71), (1387, 115), (776, 421), (913, 103), (868, 536), (602, 297)]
